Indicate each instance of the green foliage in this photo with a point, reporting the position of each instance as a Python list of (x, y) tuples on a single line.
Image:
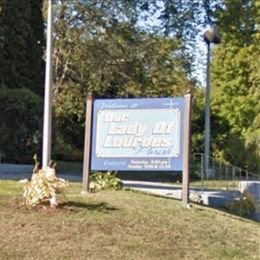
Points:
[(111, 59), (104, 181), (19, 124), (21, 44), (244, 207), (65, 149), (197, 121), (236, 92), (21, 77)]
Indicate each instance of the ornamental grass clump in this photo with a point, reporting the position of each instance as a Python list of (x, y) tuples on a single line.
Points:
[(43, 187)]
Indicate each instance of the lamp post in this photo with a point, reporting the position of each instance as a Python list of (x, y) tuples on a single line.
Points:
[(46, 150), (211, 35)]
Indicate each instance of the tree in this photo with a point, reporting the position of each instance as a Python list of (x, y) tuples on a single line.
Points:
[(21, 44), (111, 57), (235, 95), (21, 77), (35, 50)]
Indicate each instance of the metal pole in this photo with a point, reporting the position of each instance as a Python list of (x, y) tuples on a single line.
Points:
[(207, 115), (202, 172), (46, 150), (226, 173)]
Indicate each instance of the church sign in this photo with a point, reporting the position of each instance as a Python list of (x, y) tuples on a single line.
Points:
[(143, 134)]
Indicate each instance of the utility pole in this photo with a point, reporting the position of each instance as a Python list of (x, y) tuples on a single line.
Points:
[(47, 126)]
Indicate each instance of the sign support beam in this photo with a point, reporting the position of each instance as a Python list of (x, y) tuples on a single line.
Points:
[(87, 145), (186, 151)]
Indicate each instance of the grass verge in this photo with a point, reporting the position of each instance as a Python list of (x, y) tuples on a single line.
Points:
[(215, 184), (120, 225)]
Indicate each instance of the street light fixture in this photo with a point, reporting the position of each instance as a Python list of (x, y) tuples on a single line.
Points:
[(211, 35)]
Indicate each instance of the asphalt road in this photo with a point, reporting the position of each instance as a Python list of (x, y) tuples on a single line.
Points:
[(24, 171)]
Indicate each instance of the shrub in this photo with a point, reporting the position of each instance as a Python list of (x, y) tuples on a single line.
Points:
[(104, 181), (244, 207), (20, 120)]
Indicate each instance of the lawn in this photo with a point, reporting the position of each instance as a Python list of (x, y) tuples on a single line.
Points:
[(215, 184), (121, 225)]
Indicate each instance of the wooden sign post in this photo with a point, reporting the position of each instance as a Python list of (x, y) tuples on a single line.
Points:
[(87, 145), (186, 151)]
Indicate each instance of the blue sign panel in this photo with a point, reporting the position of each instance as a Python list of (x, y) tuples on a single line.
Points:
[(138, 134)]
